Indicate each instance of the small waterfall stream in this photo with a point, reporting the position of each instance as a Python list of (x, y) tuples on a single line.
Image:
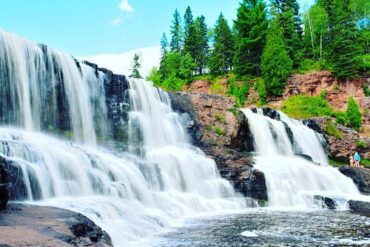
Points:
[(292, 181)]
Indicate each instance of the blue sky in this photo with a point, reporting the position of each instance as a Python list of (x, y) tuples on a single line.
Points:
[(88, 27)]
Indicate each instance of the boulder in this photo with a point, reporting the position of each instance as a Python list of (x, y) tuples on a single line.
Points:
[(360, 176), (360, 207), (327, 201), (23, 225)]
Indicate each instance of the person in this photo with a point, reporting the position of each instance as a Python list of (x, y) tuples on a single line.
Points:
[(357, 159), (351, 160)]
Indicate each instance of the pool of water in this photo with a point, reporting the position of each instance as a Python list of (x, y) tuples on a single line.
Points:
[(269, 228)]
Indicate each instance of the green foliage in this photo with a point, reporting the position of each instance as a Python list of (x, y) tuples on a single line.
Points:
[(361, 144), (341, 118), (240, 93), (364, 61), (186, 68), (354, 114), (136, 65), (342, 37), (337, 163), (219, 117), (173, 83), (221, 58), (176, 33), (288, 16), (303, 106), (308, 65), (219, 131), (251, 28), (164, 45), (208, 127), (217, 88), (367, 90), (365, 163), (276, 64), (234, 111), (261, 90), (332, 130), (155, 77)]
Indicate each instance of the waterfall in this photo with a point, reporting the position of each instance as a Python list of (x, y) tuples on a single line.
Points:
[(291, 180), (131, 195), (44, 89)]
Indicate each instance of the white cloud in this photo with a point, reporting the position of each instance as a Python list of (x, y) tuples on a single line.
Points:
[(124, 6), (116, 21), (121, 63)]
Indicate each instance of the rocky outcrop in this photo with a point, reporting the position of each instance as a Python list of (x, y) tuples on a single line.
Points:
[(343, 142), (360, 176), (360, 207), (222, 132), (4, 184), (22, 225)]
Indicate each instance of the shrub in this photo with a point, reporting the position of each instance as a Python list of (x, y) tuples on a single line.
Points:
[(332, 130), (219, 117), (361, 144), (308, 65), (261, 90), (354, 114), (234, 111), (303, 106), (219, 131), (341, 118), (365, 162), (367, 90), (217, 88)]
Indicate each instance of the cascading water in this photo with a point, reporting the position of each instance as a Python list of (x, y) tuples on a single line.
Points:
[(130, 196), (291, 180)]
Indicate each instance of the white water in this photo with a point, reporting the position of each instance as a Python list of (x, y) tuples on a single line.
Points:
[(292, 181), (30, 77), (131, 196)]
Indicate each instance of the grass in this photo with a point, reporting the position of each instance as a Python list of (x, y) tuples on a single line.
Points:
[(303, 106), (234, 111), (365, 163), (337, 163), (361, 144), (219, 131), (219, 117), (332, 130)]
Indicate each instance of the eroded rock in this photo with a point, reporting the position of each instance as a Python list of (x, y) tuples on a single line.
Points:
[(360, 176)]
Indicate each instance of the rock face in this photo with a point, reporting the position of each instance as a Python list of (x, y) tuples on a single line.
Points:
[(222, 132), (360, 176), (22, 225), (4, 184), (345, 143)]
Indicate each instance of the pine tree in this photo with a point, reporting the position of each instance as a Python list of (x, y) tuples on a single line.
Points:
[(176, 32), (221, 58), (276, 63), (190, 34), (287, 12), (354, 114), (342, 36), (135, 73), (202, 47), (251, 28), (164, 45)]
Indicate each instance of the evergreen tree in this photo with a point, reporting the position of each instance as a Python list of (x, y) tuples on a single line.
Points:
[(200, 55), (135, 73), (188, 22), (221, 58), (164, 45), (287, 12), (342, 37), (276, 63), (354, 114), (190, 34), (251, 28), (176, 32)]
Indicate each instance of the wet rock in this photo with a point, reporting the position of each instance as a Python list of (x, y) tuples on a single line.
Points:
[(327, 201), (4, 183), (360, 207), (22, 225), (360, 176), (271, 113)]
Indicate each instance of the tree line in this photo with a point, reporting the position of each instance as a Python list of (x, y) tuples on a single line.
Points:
[(267, 42)]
